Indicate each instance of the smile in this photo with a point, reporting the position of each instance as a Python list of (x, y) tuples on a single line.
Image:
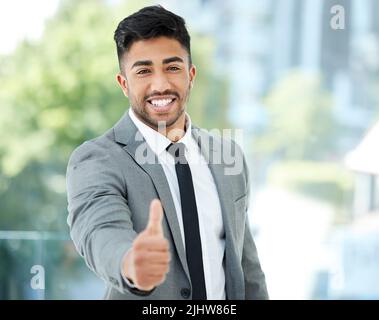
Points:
[(161, 104)]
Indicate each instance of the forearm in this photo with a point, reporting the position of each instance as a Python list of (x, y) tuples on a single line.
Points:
[(99, 217), (102, 238)]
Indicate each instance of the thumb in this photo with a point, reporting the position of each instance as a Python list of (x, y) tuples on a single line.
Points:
[(154, 226)]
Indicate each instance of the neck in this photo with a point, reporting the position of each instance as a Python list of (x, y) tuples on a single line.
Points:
[(176, 131)]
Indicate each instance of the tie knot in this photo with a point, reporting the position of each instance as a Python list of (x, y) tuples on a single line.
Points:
[(177, 151)]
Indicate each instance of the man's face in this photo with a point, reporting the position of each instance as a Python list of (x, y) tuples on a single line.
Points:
[(157, 79)]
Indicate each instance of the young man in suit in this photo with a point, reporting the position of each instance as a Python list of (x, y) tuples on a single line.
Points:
[(192, 243)]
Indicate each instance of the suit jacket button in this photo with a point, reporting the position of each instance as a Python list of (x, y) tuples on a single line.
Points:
[(185, 292)]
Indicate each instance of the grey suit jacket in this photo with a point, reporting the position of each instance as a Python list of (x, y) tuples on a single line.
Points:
[(109, 191)]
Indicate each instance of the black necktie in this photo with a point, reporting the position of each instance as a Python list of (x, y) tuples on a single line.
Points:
[(190, 221)]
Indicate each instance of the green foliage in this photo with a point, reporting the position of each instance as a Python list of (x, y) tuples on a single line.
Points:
[(56, 254), (300, 119), (54, 91), (208, 102), (299, 142)]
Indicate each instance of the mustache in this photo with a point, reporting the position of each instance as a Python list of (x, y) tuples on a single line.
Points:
[(164, 93)]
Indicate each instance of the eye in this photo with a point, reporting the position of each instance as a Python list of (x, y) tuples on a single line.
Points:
[(173, 68), (143, 71)]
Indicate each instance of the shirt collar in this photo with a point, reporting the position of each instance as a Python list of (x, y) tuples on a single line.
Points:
[(157, 141)]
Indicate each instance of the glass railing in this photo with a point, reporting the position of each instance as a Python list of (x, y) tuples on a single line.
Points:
[(44, 265)]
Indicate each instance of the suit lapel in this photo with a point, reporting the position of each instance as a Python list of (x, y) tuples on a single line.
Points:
[(127, 133), (212, 153)]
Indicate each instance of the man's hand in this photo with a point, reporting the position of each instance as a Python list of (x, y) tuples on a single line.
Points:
[(147, 263)]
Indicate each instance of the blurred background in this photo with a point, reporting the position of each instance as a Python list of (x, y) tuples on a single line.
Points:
[(300, 77)]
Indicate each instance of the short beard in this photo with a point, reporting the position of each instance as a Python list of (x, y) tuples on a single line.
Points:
[(140, 110)]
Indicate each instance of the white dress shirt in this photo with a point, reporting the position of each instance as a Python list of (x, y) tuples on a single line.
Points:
[(207, 200)]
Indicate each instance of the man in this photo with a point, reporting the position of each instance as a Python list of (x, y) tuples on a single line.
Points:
[(192, 243)]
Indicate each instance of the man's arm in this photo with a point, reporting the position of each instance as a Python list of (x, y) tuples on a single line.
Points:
[(99, 216), (255, 283)]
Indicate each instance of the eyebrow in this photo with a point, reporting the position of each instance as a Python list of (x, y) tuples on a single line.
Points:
[(150, 63), (172, 59), (142, 63)]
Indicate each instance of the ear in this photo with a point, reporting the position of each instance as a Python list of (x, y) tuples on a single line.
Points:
[(192, 74), (123, 83)]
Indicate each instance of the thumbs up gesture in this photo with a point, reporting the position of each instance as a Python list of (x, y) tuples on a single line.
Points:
[(147, 263)]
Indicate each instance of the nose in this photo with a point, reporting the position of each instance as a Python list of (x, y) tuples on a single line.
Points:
[(159, 82)]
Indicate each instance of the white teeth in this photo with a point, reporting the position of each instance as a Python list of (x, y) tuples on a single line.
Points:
[(161, 102)]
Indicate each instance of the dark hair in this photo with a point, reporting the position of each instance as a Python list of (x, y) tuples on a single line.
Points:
[(147, 23)]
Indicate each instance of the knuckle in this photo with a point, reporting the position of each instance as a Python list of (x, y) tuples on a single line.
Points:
[(137, 244), (141, 278), (165, 244), (143, 283), (139, 259), (140, 243)]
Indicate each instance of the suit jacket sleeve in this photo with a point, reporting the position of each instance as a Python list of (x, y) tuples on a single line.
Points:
[(99, 217), (255, 283)]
